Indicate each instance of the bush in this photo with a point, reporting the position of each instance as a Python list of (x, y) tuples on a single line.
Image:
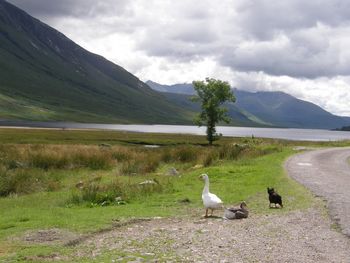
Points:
[(117, 192), (210, 158), (48, 159), (186, 154), (61, 157), (166, 156), (21, 181), (232, 151), (122, 154), (93, 160)]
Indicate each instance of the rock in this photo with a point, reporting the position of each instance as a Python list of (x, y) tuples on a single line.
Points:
[(185, 201), (80, 185), (172, 172), (105, 145), (151, 146), (147, 182), (15, 165)]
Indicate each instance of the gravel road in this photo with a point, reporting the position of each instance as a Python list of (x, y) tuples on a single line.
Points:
[(326, 173), (296, 237)]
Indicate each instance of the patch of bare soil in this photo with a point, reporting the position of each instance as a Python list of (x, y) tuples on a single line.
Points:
[(49, 236), (44, 258), (301, 236)]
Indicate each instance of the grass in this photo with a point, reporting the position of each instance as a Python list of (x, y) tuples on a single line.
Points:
[(68, 180)]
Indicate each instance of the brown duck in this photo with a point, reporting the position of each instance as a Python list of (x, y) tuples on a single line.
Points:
[(238, 212)]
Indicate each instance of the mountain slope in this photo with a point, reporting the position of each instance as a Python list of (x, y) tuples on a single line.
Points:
[(285, 110), (270, 109), (184, 88), (46, 76), (238, 117)]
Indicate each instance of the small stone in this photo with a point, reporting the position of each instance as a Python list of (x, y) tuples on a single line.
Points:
[(172, 172)]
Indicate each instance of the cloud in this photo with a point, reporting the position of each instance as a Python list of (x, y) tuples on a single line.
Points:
[(308, 53), (296, 46), (263, 19), (75, 8)]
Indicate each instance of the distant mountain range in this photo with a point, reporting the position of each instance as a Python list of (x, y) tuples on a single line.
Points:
[(263, 108), (345, 128), (46, 76)]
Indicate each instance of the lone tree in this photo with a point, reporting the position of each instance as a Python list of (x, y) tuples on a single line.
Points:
[(211, 94)]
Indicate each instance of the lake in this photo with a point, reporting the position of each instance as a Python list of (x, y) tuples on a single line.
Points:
[(277, 133)]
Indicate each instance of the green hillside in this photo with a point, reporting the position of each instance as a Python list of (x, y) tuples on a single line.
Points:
[(46, 76)]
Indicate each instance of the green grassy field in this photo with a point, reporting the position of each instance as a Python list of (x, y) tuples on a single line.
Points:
[(40, 171)]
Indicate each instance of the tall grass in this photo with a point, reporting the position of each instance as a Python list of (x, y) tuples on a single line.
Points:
[(56, 156), (26, 168), (21, 181), (118, 191)]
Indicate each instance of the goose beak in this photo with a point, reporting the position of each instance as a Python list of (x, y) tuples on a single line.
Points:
[(200, 177)]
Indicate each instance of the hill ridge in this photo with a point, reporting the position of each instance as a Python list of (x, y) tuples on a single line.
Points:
[(44, 75)]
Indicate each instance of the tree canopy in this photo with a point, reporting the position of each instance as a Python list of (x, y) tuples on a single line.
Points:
[(211, 94)]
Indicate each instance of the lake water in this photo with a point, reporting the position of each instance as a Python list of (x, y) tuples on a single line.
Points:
[(278, 133)]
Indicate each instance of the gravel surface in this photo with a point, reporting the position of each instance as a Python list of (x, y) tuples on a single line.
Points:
[(327, 174), (302, 236)]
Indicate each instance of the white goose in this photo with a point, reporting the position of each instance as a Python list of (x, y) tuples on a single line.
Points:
[(210, 201)]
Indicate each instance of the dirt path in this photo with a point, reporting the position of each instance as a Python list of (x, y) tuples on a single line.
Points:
[(295, 237), (327, 174)]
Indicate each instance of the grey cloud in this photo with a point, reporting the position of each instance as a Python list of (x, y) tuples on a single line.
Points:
[(76, 8), (171, 49), (263, 19), (304, 54), (180, 41), (194, 33), (292, 38)]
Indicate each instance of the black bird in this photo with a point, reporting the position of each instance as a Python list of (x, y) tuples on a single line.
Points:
[(274, 197)]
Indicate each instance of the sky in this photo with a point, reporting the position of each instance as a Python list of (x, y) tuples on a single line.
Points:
[(295, 46)]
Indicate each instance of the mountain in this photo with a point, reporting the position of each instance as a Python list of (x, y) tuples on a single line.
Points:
[(345, 128), (282, 109), (176, 88), (46, 76), (267, 109)]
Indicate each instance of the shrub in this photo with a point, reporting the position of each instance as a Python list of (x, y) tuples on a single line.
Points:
[(21, 181), (117, 192), (186, 154), (48, 159), (209, 158), (130, 167), (122, 154), (263, 150), (166, 156), (90, 192), (93, 160), (68, 157), (231, 151)]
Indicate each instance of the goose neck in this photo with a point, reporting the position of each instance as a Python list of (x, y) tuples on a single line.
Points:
[(206, 187)]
